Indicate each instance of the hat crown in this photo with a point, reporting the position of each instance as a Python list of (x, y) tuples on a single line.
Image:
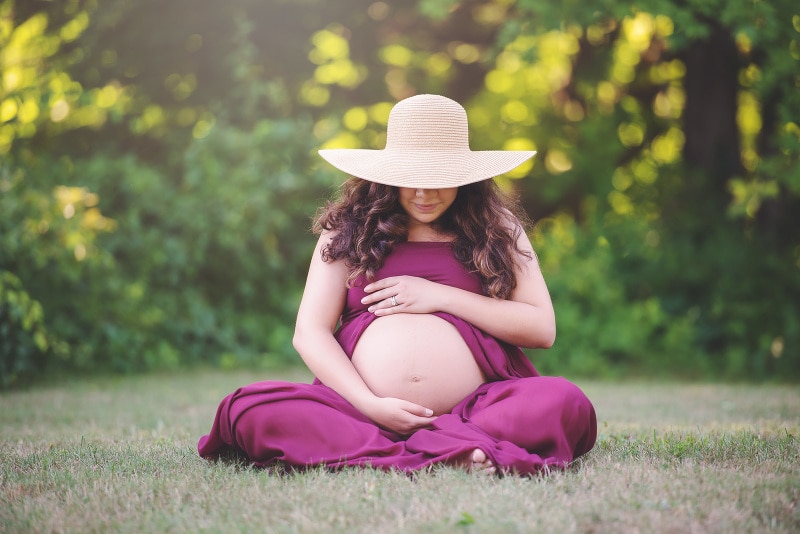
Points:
[(427, 146), (427, 122)]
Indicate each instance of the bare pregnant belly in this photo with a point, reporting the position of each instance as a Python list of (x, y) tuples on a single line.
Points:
[(419, 358)]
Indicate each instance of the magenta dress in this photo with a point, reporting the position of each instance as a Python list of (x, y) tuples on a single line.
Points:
[(522, 421)]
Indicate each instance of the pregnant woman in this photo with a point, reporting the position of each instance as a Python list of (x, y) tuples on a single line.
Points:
[(421, 291)]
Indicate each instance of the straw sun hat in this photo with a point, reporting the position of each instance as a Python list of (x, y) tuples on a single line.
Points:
[(427, 146)]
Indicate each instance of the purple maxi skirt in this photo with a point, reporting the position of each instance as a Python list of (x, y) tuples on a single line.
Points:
[(523, 425), (522, 421)]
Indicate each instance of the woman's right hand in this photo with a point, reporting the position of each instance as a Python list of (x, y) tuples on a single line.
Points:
[(398, 415)]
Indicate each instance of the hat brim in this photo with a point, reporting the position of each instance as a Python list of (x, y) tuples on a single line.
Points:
[(425, 169)]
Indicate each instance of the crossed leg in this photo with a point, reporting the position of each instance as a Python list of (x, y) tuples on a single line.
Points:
[(516, 425), (548, 416)]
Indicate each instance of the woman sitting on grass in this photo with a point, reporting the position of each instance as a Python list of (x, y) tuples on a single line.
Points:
[(421, 291)]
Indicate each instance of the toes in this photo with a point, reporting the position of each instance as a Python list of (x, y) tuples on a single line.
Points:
[(477, 462), (478, 456), (481, 464)]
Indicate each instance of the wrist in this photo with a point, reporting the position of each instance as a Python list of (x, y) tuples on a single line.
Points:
[(364, 402), (448, 299)]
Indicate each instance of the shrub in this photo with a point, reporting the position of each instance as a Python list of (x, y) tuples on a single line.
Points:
[(203, 262)]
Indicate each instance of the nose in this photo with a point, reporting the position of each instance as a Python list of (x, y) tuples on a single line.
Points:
[(422, 192)]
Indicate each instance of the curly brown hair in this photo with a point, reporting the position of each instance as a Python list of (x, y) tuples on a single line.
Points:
[(368, 222)]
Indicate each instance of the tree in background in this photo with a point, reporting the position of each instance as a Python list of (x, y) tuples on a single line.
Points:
[(702, 96), (197, 254), (666, 184), (667, 176)]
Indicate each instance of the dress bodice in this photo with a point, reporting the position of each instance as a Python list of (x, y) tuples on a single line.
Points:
[(436, 262), (431, 260)]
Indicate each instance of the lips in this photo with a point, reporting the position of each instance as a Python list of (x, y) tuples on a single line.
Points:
[(426, 208)]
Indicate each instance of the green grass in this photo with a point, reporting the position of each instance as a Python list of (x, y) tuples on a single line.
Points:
[(119, 455)]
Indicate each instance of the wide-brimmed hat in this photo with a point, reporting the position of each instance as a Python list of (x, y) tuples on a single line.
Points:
[(427, 146)]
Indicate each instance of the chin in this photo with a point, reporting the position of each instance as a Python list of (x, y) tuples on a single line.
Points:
[(427, 218)]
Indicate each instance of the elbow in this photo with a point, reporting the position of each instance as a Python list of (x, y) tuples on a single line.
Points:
[(541, 328), (297, 340), (548, 337), (549, 340), (307, 337), (539, 338)]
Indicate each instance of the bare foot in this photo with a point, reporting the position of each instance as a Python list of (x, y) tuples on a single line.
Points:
[(478, 463)]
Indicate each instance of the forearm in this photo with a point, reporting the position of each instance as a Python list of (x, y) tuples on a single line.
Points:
[(328, 362), (517, 323)]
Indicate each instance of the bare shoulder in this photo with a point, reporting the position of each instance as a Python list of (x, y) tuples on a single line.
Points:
[(326, 237), (517, 230), (325, 290), (511, 223), (323, 266)]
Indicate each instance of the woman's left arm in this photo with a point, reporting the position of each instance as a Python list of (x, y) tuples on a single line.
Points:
[(526, 319)]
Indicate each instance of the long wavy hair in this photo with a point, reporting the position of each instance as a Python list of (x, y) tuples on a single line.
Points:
[(368, 221)]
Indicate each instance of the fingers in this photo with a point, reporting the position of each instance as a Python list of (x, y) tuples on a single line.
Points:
[(414, 423), (383, 301), (383, 283), (416, 409), (382, 295), (408, 417), (420, 416), (383, 307), (390, 295), (411, 295)]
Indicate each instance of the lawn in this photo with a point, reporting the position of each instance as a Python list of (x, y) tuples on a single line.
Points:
[(118, 454)]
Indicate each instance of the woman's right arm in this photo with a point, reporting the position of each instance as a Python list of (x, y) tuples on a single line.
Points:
[(320, 309)]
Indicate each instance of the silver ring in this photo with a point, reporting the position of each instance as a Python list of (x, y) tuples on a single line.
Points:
[(394, 300)]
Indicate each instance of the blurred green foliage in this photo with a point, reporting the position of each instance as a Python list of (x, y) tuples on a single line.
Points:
[(158, 171), (23, 336)]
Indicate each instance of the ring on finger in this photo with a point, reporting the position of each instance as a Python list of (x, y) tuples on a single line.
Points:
[(394, 300)]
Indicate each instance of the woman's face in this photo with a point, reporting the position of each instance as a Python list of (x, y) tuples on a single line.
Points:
[(424, 206)]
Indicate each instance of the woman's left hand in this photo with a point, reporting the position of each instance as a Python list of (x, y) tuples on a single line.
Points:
[(403, 294)]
